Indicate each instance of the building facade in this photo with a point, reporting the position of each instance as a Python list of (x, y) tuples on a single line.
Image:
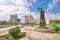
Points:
[(26, 19), (52, 21), (13, 18), (36, 21)]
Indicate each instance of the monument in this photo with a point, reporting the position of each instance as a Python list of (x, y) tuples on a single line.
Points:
[(42, 19), (42, 23)]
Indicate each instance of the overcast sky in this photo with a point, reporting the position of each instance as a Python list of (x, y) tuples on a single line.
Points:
[(29, 7)]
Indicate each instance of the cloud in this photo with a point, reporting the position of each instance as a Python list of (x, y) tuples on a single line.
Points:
[(52, 16), (35, 15), (52, 4), (19, 7), (50, 7)]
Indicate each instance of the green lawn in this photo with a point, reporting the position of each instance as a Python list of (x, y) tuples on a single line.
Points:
[(58, 32), (9, 37), (22, 34), (5, 37), (34, 25)]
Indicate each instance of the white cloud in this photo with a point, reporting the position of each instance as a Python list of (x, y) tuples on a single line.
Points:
[(52, 4), (52, 16), (49, 15), (19, 7), (35, 16)]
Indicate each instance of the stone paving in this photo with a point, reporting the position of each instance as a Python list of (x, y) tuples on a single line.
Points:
[(25, 38), (4, 31), (32, 35)]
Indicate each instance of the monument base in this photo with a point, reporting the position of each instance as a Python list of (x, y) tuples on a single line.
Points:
[(43, 27), (46, 30)]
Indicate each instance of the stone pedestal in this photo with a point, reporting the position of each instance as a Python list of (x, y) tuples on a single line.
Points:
[(46, 30), (43, 27)]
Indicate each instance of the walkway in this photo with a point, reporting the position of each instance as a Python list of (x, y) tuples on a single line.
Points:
[(32, 35), (25, 38), (4, 31), (35, 35)]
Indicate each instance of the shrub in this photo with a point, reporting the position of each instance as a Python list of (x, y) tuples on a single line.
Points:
[(56, 27), (14, 31), (22, 34)]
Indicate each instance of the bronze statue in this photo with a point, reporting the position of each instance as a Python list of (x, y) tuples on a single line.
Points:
[(42, 18)]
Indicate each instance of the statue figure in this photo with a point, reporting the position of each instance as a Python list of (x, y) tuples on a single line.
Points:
[(42, 18)]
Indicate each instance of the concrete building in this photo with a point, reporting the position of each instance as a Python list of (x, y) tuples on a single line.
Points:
[(30, 19), (13, 18), (26, 19), (52, 21), (36, 21)]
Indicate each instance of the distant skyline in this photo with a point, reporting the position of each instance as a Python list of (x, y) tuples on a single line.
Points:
[(29, 7)]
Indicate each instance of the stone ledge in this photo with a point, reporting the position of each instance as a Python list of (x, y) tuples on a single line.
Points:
[(46, 30), (42, 30)]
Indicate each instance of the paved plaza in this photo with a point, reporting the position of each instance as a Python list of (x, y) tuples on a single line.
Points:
[(31, 34)]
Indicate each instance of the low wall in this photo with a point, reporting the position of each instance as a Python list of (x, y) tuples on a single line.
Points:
[(42, 30)]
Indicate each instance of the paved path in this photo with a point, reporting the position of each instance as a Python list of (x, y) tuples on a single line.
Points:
[(32, 35), (25, 38), (4, 31)]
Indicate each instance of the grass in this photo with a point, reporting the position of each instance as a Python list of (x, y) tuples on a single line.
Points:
[(58, 32), (5, 37), (22, 34), (9, 37), (34, 25)]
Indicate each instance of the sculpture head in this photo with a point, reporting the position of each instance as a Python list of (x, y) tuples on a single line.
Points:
[(39, 9)]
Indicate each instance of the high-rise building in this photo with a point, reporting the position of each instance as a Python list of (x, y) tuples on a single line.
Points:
[(26, 19), (13, 18)]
